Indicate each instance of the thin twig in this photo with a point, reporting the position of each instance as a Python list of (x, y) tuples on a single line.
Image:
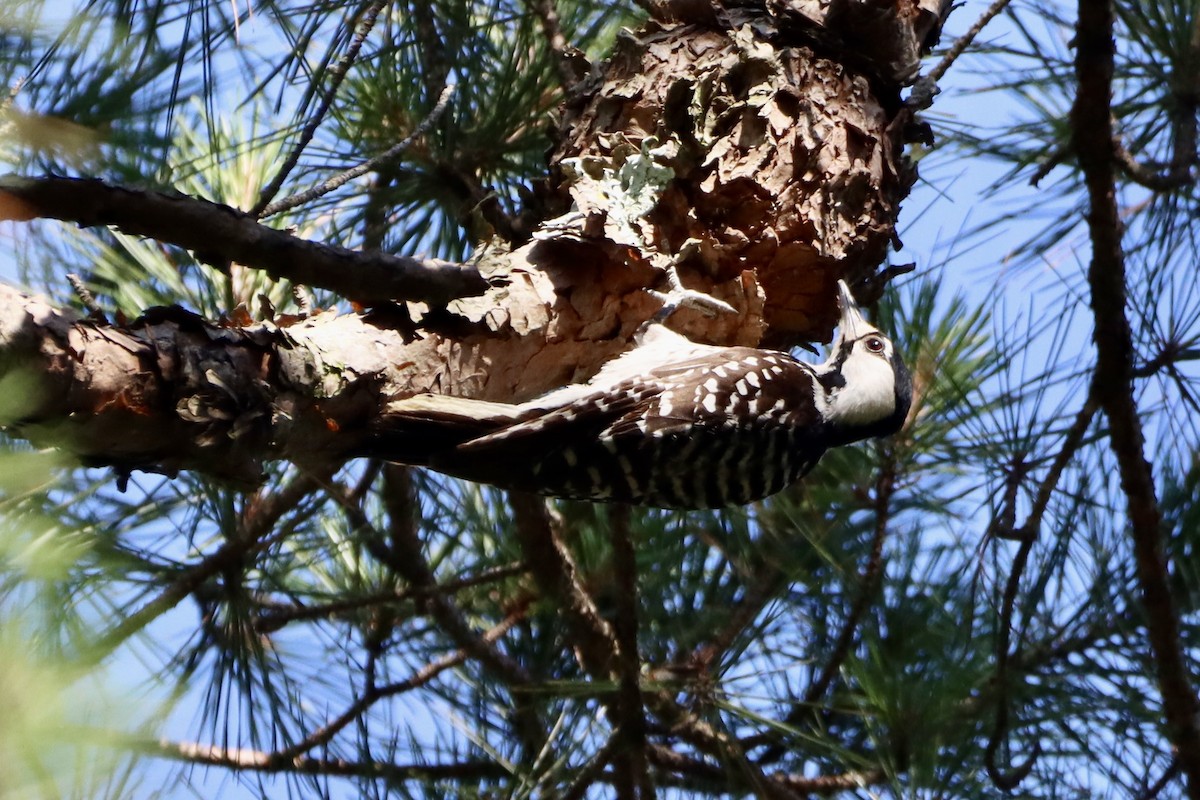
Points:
[(1185, 89), (1172, 353), (1027, 534), (371, 164), (406, 558), (1008, 779), (364, 482), (463, 180), (1071, 443), (337, 73), (1156, 788), (95, 310), (403, 555), (373, 694), (303, 299), (594, 769), (276, 617), (868, 581), (775, 785), (926, 87), (684, 724), (259, 520), (1178, 175), (828, 784), (435, 60), (767, 579)]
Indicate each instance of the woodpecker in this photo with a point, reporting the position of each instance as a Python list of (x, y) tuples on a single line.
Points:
[(672, 423)]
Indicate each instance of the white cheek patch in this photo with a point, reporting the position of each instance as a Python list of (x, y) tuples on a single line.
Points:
[(869, 394)]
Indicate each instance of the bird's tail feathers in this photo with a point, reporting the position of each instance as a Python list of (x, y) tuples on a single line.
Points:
[(413, 429), (462, 410)]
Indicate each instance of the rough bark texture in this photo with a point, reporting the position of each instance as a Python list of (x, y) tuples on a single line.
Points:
[(785, 170), (759, 150)]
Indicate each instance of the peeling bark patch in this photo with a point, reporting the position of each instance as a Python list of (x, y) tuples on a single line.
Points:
[(787, 166)]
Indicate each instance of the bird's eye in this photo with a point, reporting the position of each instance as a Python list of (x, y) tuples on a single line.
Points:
[(874, 344)]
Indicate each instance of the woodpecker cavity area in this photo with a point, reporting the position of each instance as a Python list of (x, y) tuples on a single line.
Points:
[(670, 423)]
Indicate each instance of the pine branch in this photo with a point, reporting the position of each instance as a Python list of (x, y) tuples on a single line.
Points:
[(594, 769), (337, 73), (1072, 441), (557, 576), (258, 761), (257, 532), (1008, 778), (221, 235), (683, 723), (868, 583), (1153, 178), (767, 579), (631, 757), (1094, 145), (1178, 173), (373, 693), (925, 88), (777, 785), (374, 164), (1168, 775), (405, 557), (277, 616), (171, 391), (594, 640)]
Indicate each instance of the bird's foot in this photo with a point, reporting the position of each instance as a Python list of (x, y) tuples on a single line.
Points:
[(679, 296)]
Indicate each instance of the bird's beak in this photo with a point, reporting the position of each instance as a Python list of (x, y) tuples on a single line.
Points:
[(852, 324)]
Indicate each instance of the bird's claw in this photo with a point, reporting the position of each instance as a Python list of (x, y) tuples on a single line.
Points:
[(679, 296)]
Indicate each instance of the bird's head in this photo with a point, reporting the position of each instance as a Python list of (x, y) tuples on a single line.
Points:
[(868, 390)]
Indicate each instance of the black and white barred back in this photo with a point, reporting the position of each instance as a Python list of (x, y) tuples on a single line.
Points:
[(672, 424)]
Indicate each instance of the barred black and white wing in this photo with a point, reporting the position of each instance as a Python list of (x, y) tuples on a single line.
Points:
[(725, 427)]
